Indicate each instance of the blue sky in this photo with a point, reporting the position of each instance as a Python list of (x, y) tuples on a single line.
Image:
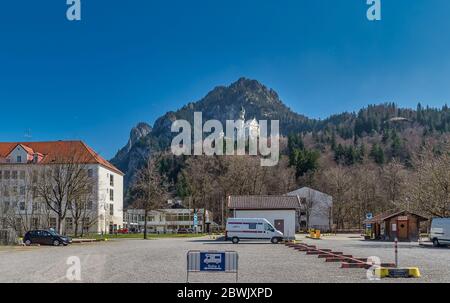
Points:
[(131, 61)]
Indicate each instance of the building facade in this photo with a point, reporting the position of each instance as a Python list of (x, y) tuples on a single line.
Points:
[(280, 211), (25, 166), (166, 220), (316, 209)]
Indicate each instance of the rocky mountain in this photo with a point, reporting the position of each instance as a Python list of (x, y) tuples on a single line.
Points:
[(222, 103), (385, 128)]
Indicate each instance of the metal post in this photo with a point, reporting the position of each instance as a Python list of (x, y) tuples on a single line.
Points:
[(187, 267), (396, 252)]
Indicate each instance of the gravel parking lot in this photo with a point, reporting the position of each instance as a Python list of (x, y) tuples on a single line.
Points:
[(164, 260)]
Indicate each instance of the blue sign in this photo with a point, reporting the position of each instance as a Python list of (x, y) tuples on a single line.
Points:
[(369, 216), (212, 261), (195, 220)]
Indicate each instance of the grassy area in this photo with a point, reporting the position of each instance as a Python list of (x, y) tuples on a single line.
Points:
[(141, 236)]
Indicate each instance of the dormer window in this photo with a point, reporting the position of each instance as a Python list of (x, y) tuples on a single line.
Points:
[(19, 159)]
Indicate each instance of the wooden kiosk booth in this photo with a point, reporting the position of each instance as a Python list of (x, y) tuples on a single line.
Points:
[(404, 225)]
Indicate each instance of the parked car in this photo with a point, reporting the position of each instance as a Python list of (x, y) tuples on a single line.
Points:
[(252, 228), (440, 231), (123, 231), (45, 237)]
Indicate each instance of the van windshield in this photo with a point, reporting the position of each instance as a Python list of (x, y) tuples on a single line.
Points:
[(269, 227)]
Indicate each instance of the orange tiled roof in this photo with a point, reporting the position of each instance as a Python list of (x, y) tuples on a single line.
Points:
[(60, 151)]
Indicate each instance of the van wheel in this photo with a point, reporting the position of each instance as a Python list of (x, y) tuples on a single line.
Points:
[(235, 240), (275, 240), (436, 242), (56, 243)]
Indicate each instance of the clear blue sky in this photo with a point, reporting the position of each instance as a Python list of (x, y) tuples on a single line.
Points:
[(131, 61)]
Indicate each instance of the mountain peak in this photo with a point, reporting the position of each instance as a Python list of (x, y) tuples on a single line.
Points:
[(141, 130)]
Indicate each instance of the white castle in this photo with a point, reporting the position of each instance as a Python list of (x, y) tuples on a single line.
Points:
[(250, 127)]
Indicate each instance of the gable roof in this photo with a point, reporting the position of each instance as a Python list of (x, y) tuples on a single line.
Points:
[(390, 214), (263, 202), (306, 189), (26, 148), (58, 152)]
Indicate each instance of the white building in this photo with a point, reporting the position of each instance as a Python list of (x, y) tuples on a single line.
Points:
[(316, 209), (278, 210), (21, 167), (166, 220)]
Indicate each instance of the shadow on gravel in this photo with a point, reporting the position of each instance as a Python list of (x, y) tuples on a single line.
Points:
[(222, 241)]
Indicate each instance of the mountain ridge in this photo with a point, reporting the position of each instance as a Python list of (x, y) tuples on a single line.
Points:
[(262, 103)]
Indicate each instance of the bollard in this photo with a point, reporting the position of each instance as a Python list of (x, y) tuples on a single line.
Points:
[(396, 252)]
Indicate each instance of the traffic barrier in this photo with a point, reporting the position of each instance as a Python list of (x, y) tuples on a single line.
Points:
[(408, 272), (349, 261)]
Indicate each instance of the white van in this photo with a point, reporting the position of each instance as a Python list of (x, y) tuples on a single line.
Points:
[(252, 228), (440, 231)]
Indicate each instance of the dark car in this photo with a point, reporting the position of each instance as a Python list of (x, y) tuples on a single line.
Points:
[(45, 237)]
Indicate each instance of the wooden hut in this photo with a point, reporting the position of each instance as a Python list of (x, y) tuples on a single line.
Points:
[(404, 225)]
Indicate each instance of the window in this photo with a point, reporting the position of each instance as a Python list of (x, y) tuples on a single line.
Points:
[(252, 226), (22, 206), (19, 159), (111, 180), (6, 191), (69, 224), (268, 227), (35, 223), (14, 175), (90, 205), (35, 206), (22, 190), (52, 223), (7, 175), (111, 209), (22, 175), (34, 176), (1, 175), (111, 195), (90, 173)]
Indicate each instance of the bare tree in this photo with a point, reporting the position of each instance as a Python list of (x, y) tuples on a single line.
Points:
[(62, 183), (83, 211), (430, 188), (148, 192), (393, 179)]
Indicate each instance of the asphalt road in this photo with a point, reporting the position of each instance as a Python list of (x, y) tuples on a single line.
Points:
[(164, 260)]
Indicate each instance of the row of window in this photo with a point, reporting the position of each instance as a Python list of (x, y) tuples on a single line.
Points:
[(20, 174), (12, 175), (37, 223), (22, 206), (12, 191), (170, 218)]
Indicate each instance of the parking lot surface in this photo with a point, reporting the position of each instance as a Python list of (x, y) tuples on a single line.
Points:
[(164, 260)]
